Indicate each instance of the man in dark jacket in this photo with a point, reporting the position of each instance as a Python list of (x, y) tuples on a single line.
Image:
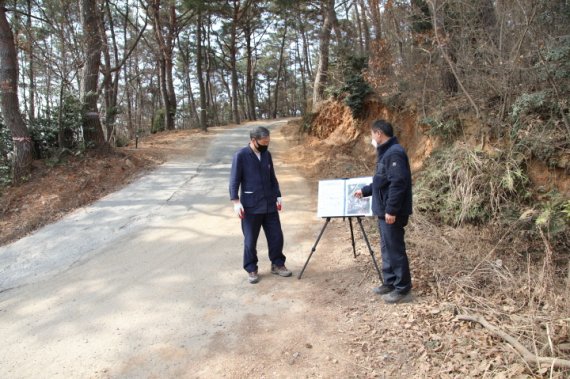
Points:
[(391, 191), (254, 190)]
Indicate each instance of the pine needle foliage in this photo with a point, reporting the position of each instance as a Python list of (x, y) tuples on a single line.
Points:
[(354, 89)]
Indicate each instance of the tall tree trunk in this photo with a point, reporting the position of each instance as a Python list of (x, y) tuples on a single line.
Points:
[(233, 60), (199, 74), (65, 135), (92, 129), (212, 106), (250, 74), (279, 71), (128, 94), (165, 99), (22, 160), (241, 97), (447, 50), (488, 20), (172, 31), (321, 75), (365, 27), (226, 86), (389, 8), (448, 79), (359, 25), (170, 92), (303, 79), (185, 54), (165, 44), (306, 55), (31, 67), (376, 20), (108, 95)]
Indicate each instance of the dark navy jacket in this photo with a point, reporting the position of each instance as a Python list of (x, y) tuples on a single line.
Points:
[(259, 187), (391, 186)]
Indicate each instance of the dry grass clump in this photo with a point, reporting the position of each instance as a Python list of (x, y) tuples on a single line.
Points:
[(461, 184)]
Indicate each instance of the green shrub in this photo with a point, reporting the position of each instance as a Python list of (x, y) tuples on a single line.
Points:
[(71, 122), (351, 87), (528, 103), (460, 185), (355, 87), (44, 133), (158, 121), (45, 130), (538, 128), (557, 62), (554, 216), (445, 129)]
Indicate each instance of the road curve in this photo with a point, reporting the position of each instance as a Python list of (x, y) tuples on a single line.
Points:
[(147, 282)]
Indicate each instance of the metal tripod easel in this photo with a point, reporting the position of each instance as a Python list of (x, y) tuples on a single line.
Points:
[(359, 219)]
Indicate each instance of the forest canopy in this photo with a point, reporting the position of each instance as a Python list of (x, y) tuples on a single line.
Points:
[(94, 73)]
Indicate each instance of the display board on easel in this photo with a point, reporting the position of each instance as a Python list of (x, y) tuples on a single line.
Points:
[(336, 198)]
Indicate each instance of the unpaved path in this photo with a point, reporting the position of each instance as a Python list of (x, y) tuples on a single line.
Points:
[(147, 282)]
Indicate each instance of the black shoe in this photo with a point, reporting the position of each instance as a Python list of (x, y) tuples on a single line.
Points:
[(396, 297), (383, 289)]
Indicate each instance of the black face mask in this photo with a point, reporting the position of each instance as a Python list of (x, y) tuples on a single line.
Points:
[(261, 148)]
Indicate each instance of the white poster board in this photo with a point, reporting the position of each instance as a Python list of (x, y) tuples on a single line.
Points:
[(336, 198)]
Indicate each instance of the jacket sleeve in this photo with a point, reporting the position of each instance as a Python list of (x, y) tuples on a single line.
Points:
[(367, 190), (273, 178), (398, 179), (235, 176)]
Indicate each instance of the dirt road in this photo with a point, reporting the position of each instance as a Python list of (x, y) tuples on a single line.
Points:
[(147, 282)]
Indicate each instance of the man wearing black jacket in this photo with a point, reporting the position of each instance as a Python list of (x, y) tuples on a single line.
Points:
[(391, 191)]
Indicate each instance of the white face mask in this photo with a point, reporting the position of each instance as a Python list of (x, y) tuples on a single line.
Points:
[(374, 143)]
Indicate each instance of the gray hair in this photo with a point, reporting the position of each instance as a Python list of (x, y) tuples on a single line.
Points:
[(259, 132)]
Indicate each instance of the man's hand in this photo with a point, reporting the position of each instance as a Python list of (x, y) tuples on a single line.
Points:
[(238, 209), (279, 203), (390, 219), (358, 194)]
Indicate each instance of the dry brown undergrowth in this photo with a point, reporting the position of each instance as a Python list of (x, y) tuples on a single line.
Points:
[(463, 270)]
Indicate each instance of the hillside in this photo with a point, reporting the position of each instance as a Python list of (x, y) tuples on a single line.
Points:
[(510, 268)]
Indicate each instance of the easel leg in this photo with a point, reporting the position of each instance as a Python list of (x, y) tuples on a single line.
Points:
[(314, 247), (352, 237), (369, 248)]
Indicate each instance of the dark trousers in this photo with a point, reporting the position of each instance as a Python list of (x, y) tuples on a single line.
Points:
[(395, 265), (251, 225)]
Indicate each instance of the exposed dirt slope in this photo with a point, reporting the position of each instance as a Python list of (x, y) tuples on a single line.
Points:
[(465, 270)]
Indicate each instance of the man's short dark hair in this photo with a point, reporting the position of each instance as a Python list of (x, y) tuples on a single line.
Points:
[(259, 132), (383, 126)]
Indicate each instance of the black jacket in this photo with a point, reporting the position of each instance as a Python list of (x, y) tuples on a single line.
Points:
[(391, 186), (253, 181)]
